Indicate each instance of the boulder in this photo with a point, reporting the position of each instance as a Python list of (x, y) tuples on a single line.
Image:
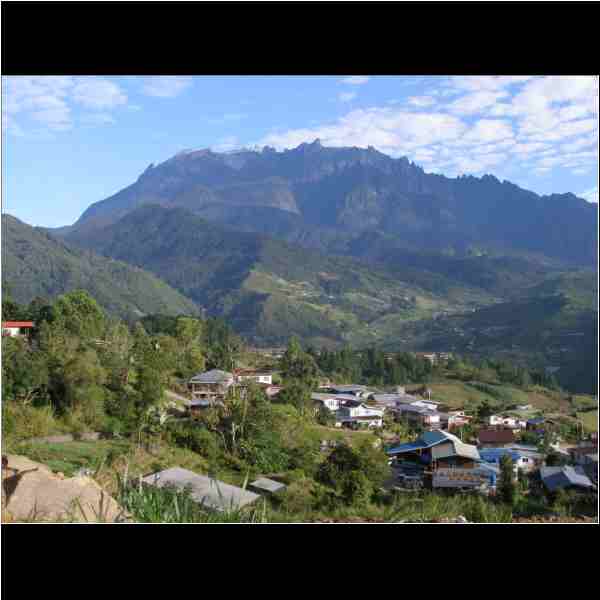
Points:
[(30, 491)]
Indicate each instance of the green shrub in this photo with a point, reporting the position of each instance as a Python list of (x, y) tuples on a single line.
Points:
[(21, 422)]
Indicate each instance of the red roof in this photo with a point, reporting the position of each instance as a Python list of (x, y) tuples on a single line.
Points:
[(17, 323), (503, 436)]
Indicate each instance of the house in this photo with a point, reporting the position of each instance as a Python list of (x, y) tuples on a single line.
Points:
[(355, 414), (353, 390), (582, 450), (211, 386), (16, 328), (560, 478), (208, 492), (458, 418), (331, 401), (524, 407), (430, 356), (418, 415), (267, 486), (506, 422), (521, 462), (256, 376), (442, 460), (429, 404), (494, 438), (453, 419), (391, 400)]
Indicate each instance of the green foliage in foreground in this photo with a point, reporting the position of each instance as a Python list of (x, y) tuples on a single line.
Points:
[(149, 504)]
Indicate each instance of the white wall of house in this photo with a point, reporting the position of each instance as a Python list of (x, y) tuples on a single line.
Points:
[(11, 331)]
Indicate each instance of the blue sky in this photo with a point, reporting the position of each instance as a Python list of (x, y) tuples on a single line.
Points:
[(70, 141)]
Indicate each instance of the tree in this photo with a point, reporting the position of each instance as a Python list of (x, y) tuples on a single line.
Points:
[(24, 372), (325, 416), (354, 473), (299, 396), (506, 484), (79, 314), (298, 366)]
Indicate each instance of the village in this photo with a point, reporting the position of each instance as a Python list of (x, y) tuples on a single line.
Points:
[(431, 445), (450, 449)]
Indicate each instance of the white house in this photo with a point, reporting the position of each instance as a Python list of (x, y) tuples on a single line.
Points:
[(15, 328), (419, 414), (258, 377), (330, 401), (356, 414), (509, 422)]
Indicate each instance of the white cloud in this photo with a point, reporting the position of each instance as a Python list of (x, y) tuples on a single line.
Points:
[(226, 144), (590, 195), (391, 130), (97, 93), (489, 130), (421, 101), (476, 102), (166, 86), (356, 80), (346, 96), (51, 102), (480, 83)]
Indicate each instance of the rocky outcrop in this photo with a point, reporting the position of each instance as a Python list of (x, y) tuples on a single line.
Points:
[(32, 492)]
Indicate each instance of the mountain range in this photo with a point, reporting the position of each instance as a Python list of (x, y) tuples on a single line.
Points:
[(348, 245), (327, 198)]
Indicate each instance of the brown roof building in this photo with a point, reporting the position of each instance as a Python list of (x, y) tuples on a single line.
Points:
[(495, 438)]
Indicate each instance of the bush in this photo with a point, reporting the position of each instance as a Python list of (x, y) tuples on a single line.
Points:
[(21, 422)]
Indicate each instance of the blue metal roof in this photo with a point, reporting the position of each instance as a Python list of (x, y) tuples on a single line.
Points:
[(536, 421), (561, 477), (427, 439), (409, 447), (493, 455)]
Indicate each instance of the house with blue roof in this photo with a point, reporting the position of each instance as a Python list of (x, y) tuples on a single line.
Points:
[(521, 461), (442, 459), (567, 477)]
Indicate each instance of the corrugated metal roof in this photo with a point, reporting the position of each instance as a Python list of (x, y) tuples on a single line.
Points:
[(454, 449), (204, 490), (213, 376), (561, 477), (494, 455), (496, 435)]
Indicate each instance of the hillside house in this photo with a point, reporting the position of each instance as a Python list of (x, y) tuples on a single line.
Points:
[(355, 414), (418, 415), (506, 422), (456, 418), (495, 438), (354, 390), (521, 462), (332, 402), (16, 328), (211, 386), (443, 461), (566, 478), (255, 376), (422, 403)]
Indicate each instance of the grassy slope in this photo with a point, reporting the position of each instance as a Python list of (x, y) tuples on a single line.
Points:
[(35, 264), (265, 288)]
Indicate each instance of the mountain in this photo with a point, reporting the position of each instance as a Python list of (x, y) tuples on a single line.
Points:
[(268, 289), (327, 198), (36, 264), (554, 324)]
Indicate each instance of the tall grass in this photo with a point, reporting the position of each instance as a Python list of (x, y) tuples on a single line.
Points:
[(149, 504)]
